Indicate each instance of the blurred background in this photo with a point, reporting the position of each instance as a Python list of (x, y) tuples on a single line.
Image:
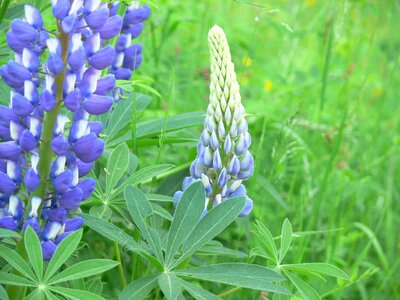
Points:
[(320, 83)]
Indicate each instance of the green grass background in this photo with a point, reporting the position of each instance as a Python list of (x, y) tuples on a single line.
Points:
[(320, 82)]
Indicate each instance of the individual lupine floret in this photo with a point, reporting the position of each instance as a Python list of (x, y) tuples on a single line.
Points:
[(223, 160), (129, 57), (39, 154)]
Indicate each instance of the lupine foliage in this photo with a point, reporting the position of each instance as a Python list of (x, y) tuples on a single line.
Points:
[(77, 144)]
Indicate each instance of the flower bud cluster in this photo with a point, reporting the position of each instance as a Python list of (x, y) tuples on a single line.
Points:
[(223, 159), (40, 173)]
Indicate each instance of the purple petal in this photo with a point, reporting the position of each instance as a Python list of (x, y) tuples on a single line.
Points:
[(61, 8), (16, 44), (47, 100), (58, 215), (71, 198), (88, 148), (96, 127), (55, 64), (27, 141), (97, 18), (103, 58), (77, 59), (138, 15), (9, 150), (111, 28), (105, 85), (21, 105), (73, 224), (9, 223), (31, 180), (63, 181), (84, 168), (33, 223), (23, 31), (135, 29), (48, 249), (87, 186), (73, 100), (60, 145), (98, 104), (7, 185)]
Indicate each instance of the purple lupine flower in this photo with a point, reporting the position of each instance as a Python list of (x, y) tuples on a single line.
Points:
[(77, 56), (223, 160)]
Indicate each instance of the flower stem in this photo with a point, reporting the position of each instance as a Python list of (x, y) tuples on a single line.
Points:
[(120, 267), (229, 292), (50, 119)]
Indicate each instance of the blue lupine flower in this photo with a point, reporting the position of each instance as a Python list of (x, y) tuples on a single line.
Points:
[(223, 160), (77, 55)]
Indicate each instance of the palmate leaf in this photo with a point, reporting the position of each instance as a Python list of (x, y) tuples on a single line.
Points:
[(198, 292), (216, 220), (267, 239), (74, 294), (187, 214), (306, 290), (34, 251), (140, 208), (63, 252), (116, 166), (17, 262), (117, 235), (83, 269), (140, 288), (238, 274), (170, 285)]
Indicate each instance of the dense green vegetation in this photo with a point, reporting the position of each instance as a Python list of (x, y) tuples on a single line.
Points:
[(320, 84)]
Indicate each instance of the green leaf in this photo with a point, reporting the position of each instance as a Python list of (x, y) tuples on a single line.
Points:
[(17, 262), (84, 269), (139, 289), (111, 232), (160, 198), (95, 286), (5, 233), (286, 239), (63, 252), (101, 211), (267, 239), (74, 294), (261, 252), (140, 208), (187, 214), (170, 285), (11, 279), (174, 123), (306, 290), (3, 293), (198, 292), (116, 166), (117, 235), (216, 220), (141, 176), (37, 294), (121, 116), (34, 251), (320, 268), (161, 211), (50, 295), (219, 249), (238, 274)]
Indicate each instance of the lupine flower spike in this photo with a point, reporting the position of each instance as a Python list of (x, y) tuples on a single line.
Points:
[(42, 157), (223, 160)]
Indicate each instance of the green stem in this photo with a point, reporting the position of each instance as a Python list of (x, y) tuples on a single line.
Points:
[(229, 292), (120, 267), (50, 119)]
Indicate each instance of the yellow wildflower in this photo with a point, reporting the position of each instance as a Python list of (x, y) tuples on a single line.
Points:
[(311, 2), (246, 61), (267, 85)]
